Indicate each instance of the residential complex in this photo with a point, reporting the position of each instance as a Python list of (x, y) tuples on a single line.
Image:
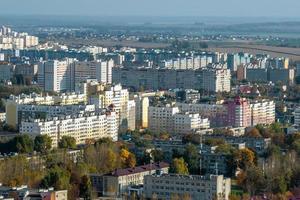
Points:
[(169, 119)]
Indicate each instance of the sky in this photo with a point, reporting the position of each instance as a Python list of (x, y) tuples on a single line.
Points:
[(224, 8)]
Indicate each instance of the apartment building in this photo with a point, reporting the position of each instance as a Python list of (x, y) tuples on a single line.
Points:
[(17, 105), (117, 182), (56, 76), (116, 97), (215, 80), (238, 112), (82, 127), (196, 187), (171, 120), (141, 111), (262, 112)]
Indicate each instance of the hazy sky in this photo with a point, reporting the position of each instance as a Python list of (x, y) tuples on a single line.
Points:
[(245, 8)]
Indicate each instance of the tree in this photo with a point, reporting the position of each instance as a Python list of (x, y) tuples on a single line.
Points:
[(244, 158), (127, 158), (179, 166), (157, 155), (192, 157), (67, 142), (254, 132), (56, 177), (85, 188), (22, 144), (42, 143)]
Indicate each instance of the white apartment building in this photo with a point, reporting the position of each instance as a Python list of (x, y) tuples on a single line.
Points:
[(207, 187), (104, 71), (57, 76), (262, 112), (170, 119), (83, 127), (16, 106), (217, 80), (117, 98)]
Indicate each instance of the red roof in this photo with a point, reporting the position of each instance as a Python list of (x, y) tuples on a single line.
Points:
[(139, 169)]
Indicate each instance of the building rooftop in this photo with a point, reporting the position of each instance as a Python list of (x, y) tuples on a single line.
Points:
[(139, 169)]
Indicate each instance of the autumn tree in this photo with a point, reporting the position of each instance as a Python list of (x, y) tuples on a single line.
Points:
[(179, 166), (127, 158)]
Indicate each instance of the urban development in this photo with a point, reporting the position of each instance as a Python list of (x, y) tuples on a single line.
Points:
[(148, 113)]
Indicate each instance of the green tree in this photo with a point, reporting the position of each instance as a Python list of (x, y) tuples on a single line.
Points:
[(157, 155), (67, 142), (22, 144), (192, 157), (57, 177), (179, 166), (42, 143), (85, 188)]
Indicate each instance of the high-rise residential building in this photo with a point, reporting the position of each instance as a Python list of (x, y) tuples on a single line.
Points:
[(262, 112), (171, 120), (168, 186), (131, 115), (238, 112), (19, 107), (215, 80), (104, 71), (115, 97), (141, 111), (6, 71), (297, 117), (82, 127), (57, 76)]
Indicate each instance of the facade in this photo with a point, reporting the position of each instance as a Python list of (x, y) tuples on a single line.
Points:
[(83, 128), (119, 181), (117, 98), (216, 113), (238, 112), (262, 112), (141, 111), (215, 80), (6, 71), (34, 102), (56, 76), (169, 119), (198, 187)]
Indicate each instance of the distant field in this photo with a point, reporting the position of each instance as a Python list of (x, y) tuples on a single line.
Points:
[(292, 53), (111, 43)]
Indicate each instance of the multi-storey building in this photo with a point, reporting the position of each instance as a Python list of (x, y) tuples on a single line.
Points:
[(262, 112), (215, 80), (141, 111), (83, 127), (57, 76), (169, 119), (208, 187), (118, 182), (117, 98), (238, 112), (16, 106)]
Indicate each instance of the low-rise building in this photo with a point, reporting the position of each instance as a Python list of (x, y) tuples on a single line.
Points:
[(195, 187), (119, 181)]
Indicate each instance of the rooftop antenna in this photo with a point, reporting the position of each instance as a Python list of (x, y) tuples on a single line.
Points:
[(217, 172)]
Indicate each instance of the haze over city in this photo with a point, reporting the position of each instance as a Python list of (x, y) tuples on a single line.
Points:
[(224, 8), (149, 100)]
